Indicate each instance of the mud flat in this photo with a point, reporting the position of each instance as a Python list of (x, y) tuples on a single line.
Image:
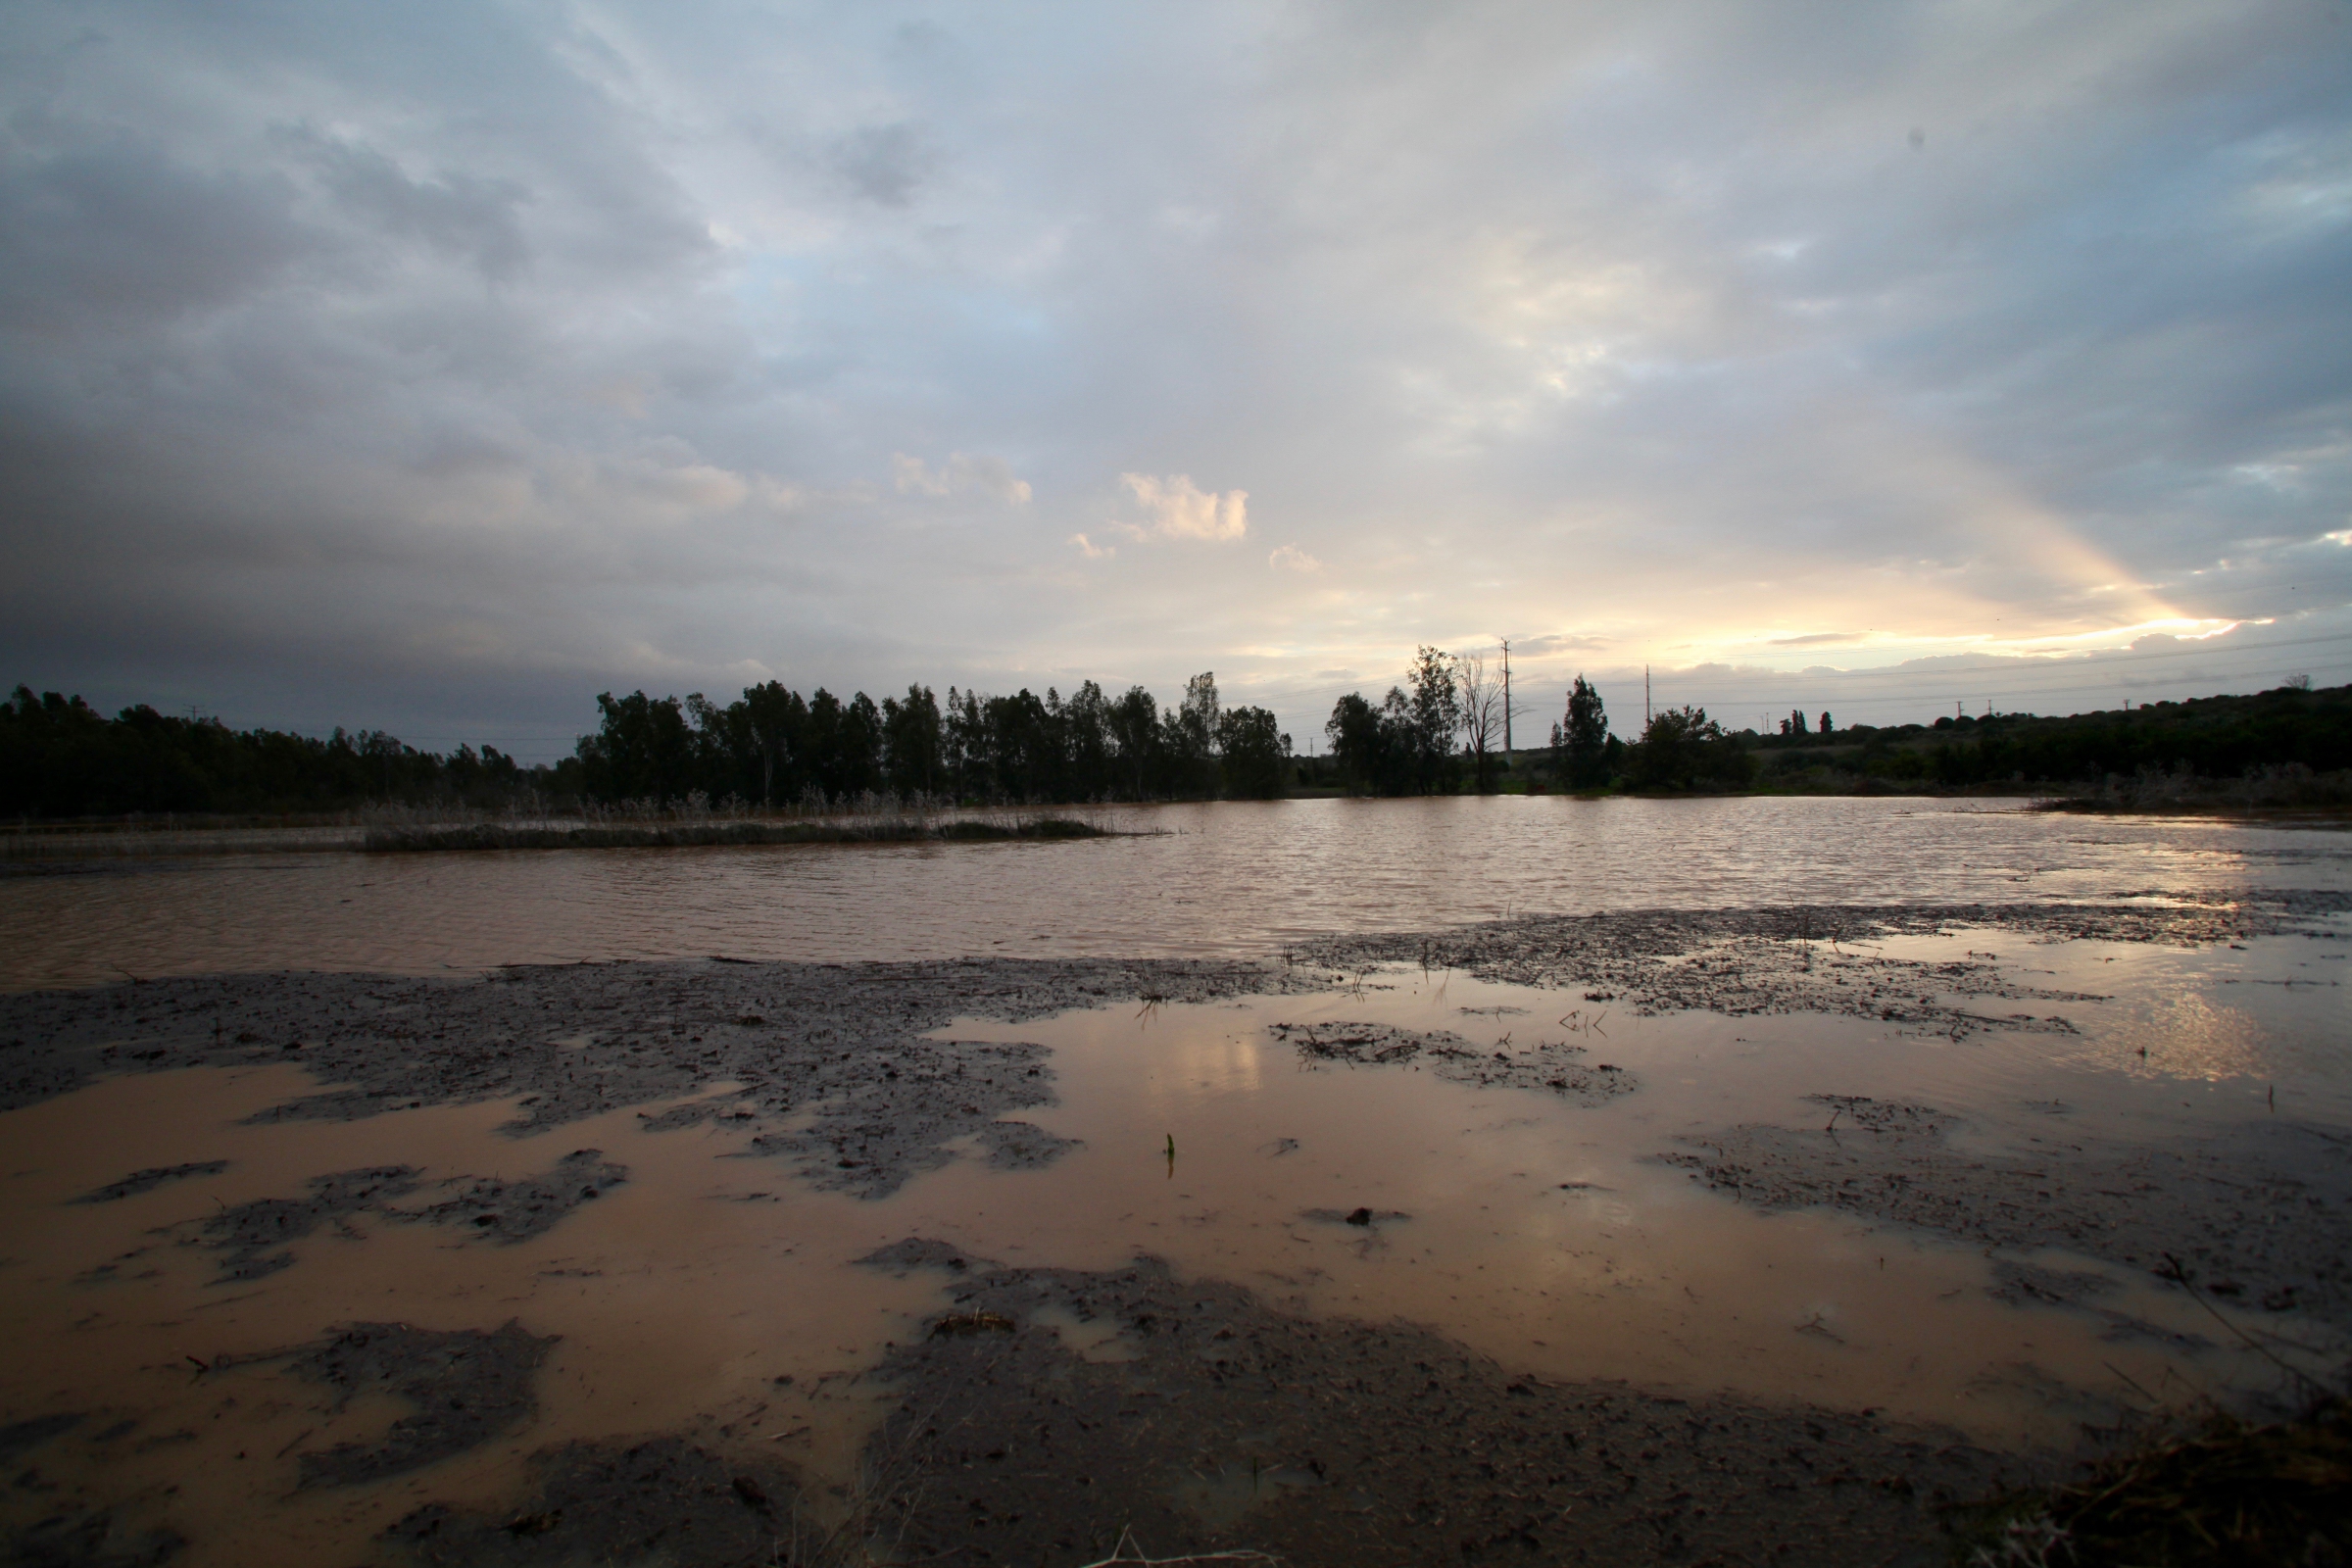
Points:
[(768, 1267), (1050, 1403), (2261, 1217)]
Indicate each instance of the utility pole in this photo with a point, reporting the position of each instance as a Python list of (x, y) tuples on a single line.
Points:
[(1506, 699), (1645, 698)]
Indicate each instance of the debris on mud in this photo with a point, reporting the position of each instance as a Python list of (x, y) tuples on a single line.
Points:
[(2264, 1213), (833, 1065), (1360, 1216), (516, 1212), (468, 1386), (1238, 1426), (1814, 959), (2225, 1491), (1553, 1065), (146, 1181), (662, 1500), (252, 1237)]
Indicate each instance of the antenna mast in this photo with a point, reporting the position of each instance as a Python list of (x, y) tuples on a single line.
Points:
[(1506, 699)]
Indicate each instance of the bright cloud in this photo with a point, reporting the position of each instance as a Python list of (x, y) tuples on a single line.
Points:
[(1294, 558), (1178, 509)]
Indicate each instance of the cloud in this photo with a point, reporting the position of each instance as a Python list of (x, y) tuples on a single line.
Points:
[(1294, 558), (1817, 639), (961, 475), (466, 215), (463, 359), (884, 163), (1178, 509)]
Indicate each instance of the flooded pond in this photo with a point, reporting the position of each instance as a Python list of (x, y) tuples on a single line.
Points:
[(1357, 1181), (1233, 878)]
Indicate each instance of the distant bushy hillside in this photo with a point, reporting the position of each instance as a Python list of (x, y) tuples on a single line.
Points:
[(2211, 737)]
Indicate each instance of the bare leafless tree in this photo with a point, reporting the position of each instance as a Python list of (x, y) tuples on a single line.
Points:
[(1482, 717)]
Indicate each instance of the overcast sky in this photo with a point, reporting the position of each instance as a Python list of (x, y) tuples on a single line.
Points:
[(434, 367)]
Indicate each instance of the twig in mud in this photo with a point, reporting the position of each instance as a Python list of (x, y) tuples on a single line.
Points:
[(1127, 1538), (2135, 1382), (2175, 1272)]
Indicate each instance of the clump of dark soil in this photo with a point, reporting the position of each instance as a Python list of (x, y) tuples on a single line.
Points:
[(19, 1436), (1020, 1146), (1553, 1065), (918, 1251), (251, 1238), (2263, 1216), (660, 1501), (516, 1212), (834, 1069), (1323, 1441), (468, 1386), (148, 1180), (2228, 1493), (1804, 958)]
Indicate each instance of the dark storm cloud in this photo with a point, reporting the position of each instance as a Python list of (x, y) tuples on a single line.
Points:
[(451, 358)]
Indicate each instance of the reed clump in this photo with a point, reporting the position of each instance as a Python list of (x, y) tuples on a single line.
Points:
[(2226, 1490)]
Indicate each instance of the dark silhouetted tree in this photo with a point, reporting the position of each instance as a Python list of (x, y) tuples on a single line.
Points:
[(1579, 743), (1683, 749), (1252, 752)]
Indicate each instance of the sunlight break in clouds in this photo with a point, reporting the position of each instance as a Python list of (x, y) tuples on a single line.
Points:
[(1180, 510)]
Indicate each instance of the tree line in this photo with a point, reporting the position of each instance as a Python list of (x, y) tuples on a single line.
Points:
[(1436, 732), (768, 748), (771, 748)]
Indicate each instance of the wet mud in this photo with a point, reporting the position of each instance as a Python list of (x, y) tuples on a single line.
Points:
[(517, 1211), (665, 1500), (827, 1063), (1199, 1419), (148, 1180), (1044, 1411), (253, 1239), (465, 1387), (1815, 959), (2261, 1217), (1554, 1066)]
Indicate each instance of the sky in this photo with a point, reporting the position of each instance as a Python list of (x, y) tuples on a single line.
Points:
[(435, 367)]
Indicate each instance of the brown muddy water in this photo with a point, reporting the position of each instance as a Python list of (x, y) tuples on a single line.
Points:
[(1864, 1175), (1241, 878)]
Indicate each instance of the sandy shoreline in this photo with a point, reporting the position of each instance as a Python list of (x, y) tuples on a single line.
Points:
[(1043, 1407)]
